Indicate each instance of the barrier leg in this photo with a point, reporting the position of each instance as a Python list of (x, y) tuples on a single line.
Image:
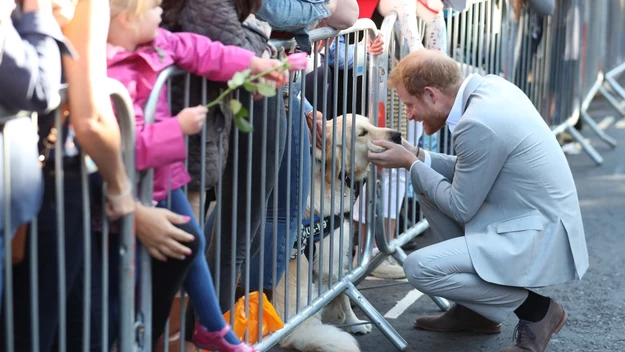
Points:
[(588, 120), (589, 149), (376, 318), (611, 98), (611, 78)]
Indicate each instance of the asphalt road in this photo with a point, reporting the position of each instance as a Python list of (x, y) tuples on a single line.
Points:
[(596, 304)]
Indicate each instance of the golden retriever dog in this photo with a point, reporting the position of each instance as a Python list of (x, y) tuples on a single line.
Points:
[(315, 334)]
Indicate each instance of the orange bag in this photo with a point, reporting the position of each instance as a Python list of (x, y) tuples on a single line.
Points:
[(271, 320)]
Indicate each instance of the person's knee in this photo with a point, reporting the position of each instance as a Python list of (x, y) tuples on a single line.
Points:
[(419, 272), (197, 246)]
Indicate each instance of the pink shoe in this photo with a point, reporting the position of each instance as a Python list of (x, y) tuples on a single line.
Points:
[(215, 341)]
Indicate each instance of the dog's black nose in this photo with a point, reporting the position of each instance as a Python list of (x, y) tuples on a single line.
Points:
[(396, 137)]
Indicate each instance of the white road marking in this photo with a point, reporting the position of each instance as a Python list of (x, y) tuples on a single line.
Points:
[(373, 278), (403, 304), (606, 122), (620, 123)]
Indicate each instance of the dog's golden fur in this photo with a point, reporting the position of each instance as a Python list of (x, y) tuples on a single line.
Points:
[(315, 334)]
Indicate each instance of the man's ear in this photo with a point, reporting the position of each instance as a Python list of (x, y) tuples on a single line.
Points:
[(430, 95)]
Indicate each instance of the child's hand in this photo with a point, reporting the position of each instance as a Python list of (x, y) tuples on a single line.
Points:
[(259, 65), (376, 47), (192, 119)]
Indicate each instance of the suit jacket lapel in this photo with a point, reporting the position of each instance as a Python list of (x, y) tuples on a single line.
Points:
[(475, 81)]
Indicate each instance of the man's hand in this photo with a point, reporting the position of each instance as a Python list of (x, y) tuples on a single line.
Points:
[(156, 231), (395, 156), (409, 147)]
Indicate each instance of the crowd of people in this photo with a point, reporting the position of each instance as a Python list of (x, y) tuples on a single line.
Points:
[(45, 44)]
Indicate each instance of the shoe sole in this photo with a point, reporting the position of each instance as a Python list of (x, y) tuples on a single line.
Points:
[(488, 331), (565, 316)]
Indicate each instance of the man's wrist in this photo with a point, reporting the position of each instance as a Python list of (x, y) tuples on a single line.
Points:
[(410, 161), (420, 154)]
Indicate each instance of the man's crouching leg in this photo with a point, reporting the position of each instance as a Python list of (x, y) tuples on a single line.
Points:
[(445, 270)]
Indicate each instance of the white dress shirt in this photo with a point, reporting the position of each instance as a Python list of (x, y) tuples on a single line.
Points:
[(452, 119)]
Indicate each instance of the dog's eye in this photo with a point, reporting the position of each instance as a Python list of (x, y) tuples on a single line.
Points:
[(363, 133)]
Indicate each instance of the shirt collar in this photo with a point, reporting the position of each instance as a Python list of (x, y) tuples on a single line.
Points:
[(456, 110)]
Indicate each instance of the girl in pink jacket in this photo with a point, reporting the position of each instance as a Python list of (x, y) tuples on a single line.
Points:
[(138, 50)]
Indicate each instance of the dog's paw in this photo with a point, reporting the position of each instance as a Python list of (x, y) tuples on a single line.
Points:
[(361, 329), (375, 148)]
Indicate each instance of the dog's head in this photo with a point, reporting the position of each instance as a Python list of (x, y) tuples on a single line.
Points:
[(359, 134)]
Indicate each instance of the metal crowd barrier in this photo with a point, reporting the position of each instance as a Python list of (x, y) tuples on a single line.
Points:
[(563, 70), (560, 78), (614, 58), (311, 295), (125, 338)]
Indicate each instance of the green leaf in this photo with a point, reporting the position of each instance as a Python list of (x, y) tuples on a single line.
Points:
[(242, 124), (249, 86), (235, 106), (265, 90), (238, 79), (242, 112)]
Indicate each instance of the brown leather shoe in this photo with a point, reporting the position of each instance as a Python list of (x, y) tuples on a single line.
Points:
[(458, 318), (535, 337)]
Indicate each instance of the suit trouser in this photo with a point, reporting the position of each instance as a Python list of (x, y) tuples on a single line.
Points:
[(445, 270)]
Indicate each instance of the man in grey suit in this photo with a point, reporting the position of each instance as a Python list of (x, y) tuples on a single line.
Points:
[(505, 207)]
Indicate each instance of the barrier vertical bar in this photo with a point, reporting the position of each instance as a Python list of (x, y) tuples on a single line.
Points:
[(60, 215), (8, 265), (86, 333), (125, 115)]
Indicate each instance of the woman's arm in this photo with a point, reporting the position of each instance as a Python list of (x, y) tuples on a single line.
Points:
[(91, 112)]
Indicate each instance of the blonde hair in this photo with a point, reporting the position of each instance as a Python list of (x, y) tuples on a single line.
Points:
[(425, 68), (135, 8)]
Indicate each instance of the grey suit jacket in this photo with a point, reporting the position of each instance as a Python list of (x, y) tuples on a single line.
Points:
[(511, 187)]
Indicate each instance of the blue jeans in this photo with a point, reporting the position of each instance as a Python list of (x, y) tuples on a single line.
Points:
[(291, 15), (289, 209), (198, 282), (294, 16)]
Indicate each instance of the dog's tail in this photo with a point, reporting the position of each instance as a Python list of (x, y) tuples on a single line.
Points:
[(313, 336)]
